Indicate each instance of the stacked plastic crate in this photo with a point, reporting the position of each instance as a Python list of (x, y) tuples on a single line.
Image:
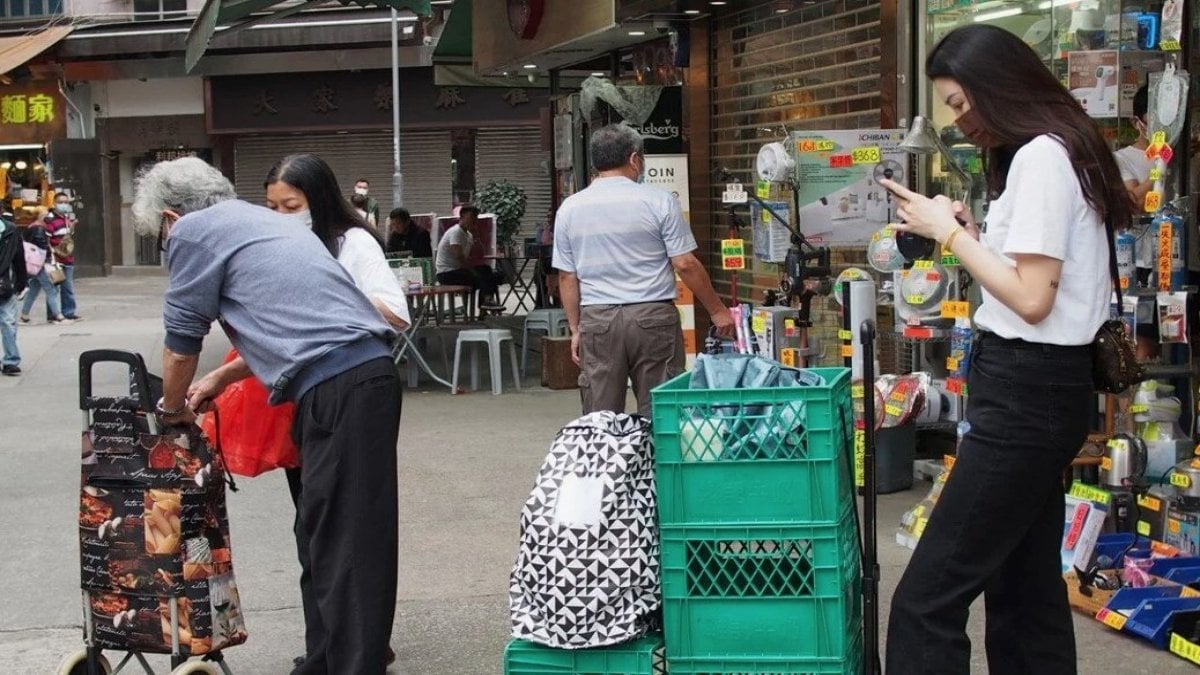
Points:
[(760, 552)]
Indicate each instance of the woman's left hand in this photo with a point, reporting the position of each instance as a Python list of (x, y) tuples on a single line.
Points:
[(931, 218)]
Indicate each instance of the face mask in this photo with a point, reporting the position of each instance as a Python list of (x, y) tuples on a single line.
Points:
[(64, 208), (304, 217), (360, 191), (972, 127)]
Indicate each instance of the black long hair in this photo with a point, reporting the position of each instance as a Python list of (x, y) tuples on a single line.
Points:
[(1018, 99), (331, 214)]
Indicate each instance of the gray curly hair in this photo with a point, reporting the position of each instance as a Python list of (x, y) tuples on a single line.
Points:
[(183, 185)]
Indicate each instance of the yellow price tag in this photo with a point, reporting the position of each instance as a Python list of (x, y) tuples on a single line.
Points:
[(893, 410), (956, 309), (1180, 480), (1196, 463), (869, 155), (758, 324), (847, 351), (1159, 138), (1106, 464), (1188, 650), (1112, 619), (1139, 408), (919, 529), (1173, 526), (1189, 592), (1143, 528), (1153, 202), (897, 396), (857, 390), (922, 265), (845, 335), (1155, 173), (860, 454), (762, 189), (1144, 501), (951, 364), (915, 299)]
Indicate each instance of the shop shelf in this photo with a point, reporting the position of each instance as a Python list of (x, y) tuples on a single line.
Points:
[(1148, 612), (732, 592), (1164, 566), (1112, 547), (640, 657), (1185, 636), (850, 664), (1184, 576), (754, 456)]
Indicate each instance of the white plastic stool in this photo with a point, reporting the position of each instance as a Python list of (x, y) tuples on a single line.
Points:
[(552, 321), (493, 338)]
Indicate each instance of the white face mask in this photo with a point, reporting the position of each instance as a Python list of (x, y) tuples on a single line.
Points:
[(305, 217), (360, 191)]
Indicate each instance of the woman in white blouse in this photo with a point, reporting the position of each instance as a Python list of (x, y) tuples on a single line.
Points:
[(303, 186)]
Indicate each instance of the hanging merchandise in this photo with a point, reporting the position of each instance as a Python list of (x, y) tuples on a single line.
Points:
[(1172, 318), (959, 362), (1126, 267), (1171, 26), (883, 253), (1167, 108), (904, 400), (921, 290), (913, 522)]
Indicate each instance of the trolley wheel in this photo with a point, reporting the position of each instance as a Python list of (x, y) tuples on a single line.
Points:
[(76, 664), (196, 668)]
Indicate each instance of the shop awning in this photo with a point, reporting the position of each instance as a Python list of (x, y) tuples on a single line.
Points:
[(454, 44), (234, 14), (17, 51)]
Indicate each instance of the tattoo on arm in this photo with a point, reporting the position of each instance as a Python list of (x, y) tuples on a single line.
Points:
[(1054, 283)]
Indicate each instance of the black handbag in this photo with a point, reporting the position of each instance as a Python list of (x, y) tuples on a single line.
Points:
[(1115, 367)]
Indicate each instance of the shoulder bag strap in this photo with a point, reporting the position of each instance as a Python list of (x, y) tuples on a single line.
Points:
[(1112, 262)]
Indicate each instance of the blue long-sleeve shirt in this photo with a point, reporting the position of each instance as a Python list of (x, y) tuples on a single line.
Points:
[(289, 308)]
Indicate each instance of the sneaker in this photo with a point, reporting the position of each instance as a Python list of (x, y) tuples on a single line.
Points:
[(75, 318), (62, 320), (11, 371)]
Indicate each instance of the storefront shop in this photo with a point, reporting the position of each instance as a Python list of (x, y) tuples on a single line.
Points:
[(347, 119), (32, 116)]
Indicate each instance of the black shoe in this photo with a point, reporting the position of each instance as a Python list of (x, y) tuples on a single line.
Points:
[(11, 371)]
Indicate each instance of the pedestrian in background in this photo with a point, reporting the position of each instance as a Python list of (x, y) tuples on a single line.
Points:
[(13, 279), (359, 203), (363, 187), (618, 245), (1043, 263), (404, 235), (311, 337), (36, 233), (60, 224)]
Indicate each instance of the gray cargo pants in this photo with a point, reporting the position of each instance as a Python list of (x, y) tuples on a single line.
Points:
[(640, 343)]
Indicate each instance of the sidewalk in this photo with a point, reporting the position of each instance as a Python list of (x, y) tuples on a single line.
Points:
[(466, 463)]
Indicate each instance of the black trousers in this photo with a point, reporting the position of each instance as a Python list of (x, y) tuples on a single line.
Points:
[(347, 518), (998, 525), (482, 278)]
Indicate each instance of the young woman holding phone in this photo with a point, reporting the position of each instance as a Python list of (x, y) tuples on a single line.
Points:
[(1042, 259)]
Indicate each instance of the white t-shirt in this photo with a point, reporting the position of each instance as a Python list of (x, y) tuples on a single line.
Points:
[(445, 261), (1042, 211), (362, 257), (1134, 166)]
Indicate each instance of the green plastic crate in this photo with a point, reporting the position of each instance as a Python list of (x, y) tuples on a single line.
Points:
[(748, 592), (754, 456), (640, 657), (850, 664)]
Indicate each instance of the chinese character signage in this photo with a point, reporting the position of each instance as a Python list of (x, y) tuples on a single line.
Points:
[(32, 113)]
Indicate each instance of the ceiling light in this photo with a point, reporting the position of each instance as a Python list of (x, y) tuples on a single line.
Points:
[(408, 30), (636, 33), (21, 165), (441, 2), (599, 74), (530, 66), (717, 3), (691, 11), (998, 14)]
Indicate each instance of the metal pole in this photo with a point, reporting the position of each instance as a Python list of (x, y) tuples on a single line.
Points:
[(397, 177), (870, 559)]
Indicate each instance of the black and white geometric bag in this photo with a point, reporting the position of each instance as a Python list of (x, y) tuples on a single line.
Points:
[(587, 570)]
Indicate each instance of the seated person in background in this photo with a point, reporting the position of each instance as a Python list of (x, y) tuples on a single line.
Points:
[(360, 204), (451, 262), (404, 235)]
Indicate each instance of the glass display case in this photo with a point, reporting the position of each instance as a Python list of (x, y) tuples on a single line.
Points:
[(1101, 50)]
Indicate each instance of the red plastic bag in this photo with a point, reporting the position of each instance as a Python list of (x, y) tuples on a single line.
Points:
[(255, 437)]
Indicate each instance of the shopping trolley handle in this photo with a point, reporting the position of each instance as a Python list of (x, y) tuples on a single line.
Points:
[(137, 367)]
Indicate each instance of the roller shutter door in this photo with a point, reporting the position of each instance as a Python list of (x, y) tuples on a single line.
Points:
[(424, 159), (515, 154)]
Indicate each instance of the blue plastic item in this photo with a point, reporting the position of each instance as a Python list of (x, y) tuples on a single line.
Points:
[(1162, 566), (1147, 612), (1112, 547), (1183, 575)]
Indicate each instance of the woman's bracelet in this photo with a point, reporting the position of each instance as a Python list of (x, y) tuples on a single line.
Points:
[(950, 239)]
